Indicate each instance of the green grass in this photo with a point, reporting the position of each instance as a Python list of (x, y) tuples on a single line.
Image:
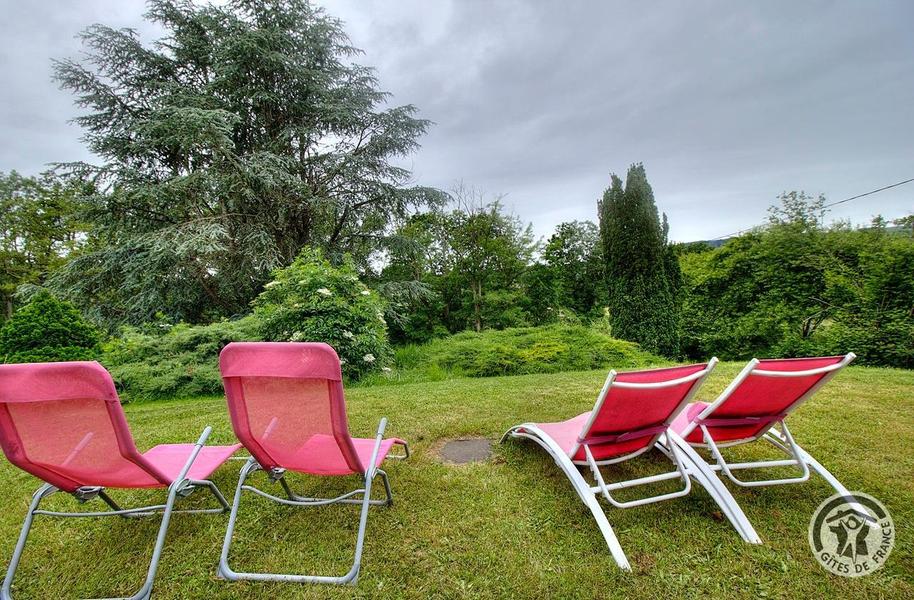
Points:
[(512, 527)]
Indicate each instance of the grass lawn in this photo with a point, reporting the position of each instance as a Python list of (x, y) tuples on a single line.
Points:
[(511, 527)]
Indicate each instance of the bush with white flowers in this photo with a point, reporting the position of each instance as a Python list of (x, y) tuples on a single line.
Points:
[(314, 301)]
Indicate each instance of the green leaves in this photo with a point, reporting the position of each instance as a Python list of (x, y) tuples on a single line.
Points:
[(40, 227), (47, 330), (243, 135), (796, 289), (313, 301), (642, 276), (516, 351)]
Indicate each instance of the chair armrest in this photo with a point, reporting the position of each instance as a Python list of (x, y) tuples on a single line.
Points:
[(193, 455), (379, 437)]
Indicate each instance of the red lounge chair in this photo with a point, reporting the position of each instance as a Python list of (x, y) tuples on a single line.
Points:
[(63, 423), (287, 408), (761, 396), (631, 416)]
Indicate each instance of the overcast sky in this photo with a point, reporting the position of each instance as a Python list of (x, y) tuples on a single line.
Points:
[(727, 104)]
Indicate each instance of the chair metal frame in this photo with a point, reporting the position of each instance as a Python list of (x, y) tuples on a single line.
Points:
[(292, 499), (779, 437), (689, 465), (181, 487)]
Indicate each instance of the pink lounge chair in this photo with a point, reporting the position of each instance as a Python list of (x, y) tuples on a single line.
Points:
[(631, 416), (287, 408), (63, 423), (761, 396)]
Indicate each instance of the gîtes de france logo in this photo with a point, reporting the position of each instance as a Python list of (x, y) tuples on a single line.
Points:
[(851, 535)]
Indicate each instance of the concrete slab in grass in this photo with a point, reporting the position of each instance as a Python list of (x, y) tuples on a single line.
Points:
[(467, 450)]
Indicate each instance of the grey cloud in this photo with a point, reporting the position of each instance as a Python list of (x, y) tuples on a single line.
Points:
[(727, 104)]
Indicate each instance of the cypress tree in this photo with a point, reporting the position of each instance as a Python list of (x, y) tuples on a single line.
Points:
[(642, 275)]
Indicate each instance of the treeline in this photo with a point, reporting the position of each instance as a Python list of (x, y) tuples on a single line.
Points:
[(799, 288), (794, 287)]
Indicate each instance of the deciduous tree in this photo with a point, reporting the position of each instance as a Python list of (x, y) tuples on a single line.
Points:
[(39, 230)]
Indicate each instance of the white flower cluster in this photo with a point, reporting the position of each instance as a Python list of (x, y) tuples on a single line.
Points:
[(324, 292), (369, 358)]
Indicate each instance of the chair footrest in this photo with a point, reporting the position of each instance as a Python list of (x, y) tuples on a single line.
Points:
[(640, 481)]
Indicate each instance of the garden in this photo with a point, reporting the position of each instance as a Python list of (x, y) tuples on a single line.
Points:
[(251, 188)]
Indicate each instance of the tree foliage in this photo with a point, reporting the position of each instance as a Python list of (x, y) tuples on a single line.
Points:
[(486, 251), (470, 262), (46, 330), (244, 134), (314, 301), (797, 288), (39, 230), (574, 256), (641, 273)]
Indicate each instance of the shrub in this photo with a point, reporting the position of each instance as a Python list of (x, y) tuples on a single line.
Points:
[(798, 290), (46, 330), (311, 300), (181, 360), (547, 349), (502, 309)]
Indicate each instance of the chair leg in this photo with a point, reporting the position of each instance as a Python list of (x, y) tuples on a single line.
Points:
[(47, 489), (42, 492), (579, 485), (679, 473), (146, 590), (702, 473), (386, 482), (217, 494), (226, 572)]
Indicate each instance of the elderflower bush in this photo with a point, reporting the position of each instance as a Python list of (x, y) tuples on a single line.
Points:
[(314, 301)]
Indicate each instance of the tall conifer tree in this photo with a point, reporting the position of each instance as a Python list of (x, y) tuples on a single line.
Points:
[(244, 134), (642, 276)]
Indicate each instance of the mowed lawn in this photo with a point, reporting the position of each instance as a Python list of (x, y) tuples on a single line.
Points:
[(510, 527)]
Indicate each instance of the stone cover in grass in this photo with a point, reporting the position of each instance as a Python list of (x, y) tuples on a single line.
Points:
[(466, 450)]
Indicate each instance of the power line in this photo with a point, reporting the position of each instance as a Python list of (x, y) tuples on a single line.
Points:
[(825, 206), (869, 193)]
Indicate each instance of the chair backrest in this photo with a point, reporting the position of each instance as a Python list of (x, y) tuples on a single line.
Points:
[(63, 423), (287, 406), (765, 392), (635, 408)]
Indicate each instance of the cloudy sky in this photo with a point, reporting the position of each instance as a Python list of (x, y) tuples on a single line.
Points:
[(726, 103)]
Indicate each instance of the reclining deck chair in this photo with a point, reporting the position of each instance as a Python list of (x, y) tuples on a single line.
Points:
[(761, 396), (63, 423), (632, 415), (287, 408)]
